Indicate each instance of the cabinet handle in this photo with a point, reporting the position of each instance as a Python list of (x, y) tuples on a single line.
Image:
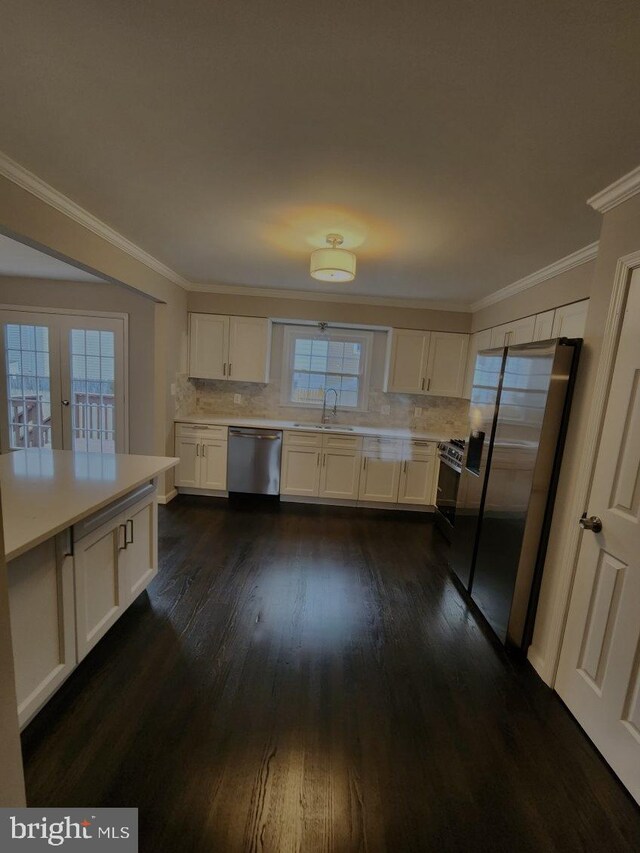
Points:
[(197, 450), (364, 463), (422, 386), (318, 459), (204, 450), (229, 368), (324, 459), (404, 467), (124, 527), (224, 369), (130, 542), (428, 383)]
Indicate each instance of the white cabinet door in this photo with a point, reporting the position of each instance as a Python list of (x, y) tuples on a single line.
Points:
[(516, 332), (300, 473), (570, 320), (100, 585), (139, 560), (187, 449), (478, 341), (416, 481), (208, 346), (340, 474), (446, 364), (249, 349), (379, 479), (543, 329), (407, 364), (213, 464), (42, 624)]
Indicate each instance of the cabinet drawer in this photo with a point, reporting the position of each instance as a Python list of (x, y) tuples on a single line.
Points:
[(378, 444), (342, 442), (294, 438), (202, 431), (418, 447)]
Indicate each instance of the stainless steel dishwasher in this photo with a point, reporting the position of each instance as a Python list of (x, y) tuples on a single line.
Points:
[(254, 460)]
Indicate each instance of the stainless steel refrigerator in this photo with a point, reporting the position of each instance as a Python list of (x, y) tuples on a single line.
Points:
[(518, 416)]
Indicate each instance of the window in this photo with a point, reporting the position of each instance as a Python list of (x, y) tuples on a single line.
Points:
[(315, 361)]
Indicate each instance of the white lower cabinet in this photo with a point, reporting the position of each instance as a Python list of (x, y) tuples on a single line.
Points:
[(42, 623), (417, 481), (340, 474), (202, 450), (300, 471), (379, 479), (113, 564)]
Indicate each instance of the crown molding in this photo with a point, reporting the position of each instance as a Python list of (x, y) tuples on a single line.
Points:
[(617, 192), (37, 187), (575, 259), (324, 296)]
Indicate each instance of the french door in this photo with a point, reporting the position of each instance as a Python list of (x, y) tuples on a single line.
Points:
[(64, 382)]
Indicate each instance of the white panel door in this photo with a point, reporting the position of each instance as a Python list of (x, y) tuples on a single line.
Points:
[(543, 329), (478, 341), (249, 349), (100, 587), (300, 471), (408, 361), (213, 464), (446, 364), (208, 346), (187, 449), (140, 557), (379, 479), (416, 481), (570, 320), (599, 672), (340, 474)]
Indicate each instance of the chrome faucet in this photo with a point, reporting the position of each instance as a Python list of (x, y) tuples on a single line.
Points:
[(334, 410)]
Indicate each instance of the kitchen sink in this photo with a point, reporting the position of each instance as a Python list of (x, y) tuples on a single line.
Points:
[(334, 427)]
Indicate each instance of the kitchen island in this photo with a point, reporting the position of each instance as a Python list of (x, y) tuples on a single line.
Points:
[(80, 534)]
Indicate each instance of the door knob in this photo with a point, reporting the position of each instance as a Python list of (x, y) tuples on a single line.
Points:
[(65, 402), (592, 523)]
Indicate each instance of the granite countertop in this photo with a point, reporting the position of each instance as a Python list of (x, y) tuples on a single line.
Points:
[(269, 423), (47, 491)]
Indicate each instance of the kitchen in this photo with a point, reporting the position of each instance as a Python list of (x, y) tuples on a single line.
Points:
[(318, 487)]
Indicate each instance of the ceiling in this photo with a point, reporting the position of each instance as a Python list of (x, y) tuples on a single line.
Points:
[(21, 261), (453, 143)]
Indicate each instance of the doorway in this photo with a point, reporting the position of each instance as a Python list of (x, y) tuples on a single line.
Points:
[(64, 382)]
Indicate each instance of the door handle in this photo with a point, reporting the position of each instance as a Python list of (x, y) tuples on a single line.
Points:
[(123, 547), (592, 523), (65, 402)]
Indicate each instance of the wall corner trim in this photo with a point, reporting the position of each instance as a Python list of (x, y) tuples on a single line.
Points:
[(36, 186), (575, 259), (617, 192)]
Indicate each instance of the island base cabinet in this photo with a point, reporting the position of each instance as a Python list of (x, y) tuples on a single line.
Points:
[(42, 623), (113, 565)]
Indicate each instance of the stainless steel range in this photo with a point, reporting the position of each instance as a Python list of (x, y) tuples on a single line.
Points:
[(451, 454)]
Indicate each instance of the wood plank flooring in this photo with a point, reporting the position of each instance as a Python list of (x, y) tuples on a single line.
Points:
[(309, 679)]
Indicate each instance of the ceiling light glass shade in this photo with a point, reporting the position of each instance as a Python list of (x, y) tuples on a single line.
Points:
[(333, 264)]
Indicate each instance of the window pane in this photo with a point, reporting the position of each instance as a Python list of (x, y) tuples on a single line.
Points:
[(28, 385), (322, 363), (93, 395)]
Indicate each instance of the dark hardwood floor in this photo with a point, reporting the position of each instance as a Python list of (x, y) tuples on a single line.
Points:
[(309, 678)]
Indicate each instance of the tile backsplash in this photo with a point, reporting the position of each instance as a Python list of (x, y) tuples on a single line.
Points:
[(445, 415)]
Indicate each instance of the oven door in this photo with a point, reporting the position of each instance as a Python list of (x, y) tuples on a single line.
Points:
[(448, 481)]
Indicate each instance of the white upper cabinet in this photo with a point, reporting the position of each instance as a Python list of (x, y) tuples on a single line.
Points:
[(543, 329), (236, 348), (478, 341), (208, 346), (517, 332), (446, 364), (570, 320), (407, 361), (426, 362), (249, 349)]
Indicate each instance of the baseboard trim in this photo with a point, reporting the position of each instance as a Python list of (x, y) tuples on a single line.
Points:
[(165, 499), (394, 507), (208, 493)]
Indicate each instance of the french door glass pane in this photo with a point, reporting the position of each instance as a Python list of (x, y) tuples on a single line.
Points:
[(28, 385), (93, 390)]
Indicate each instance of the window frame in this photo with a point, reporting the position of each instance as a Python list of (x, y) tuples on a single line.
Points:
[(344, 334)]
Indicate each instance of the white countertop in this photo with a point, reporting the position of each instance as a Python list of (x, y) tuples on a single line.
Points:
[(265, 423), (46, 491)]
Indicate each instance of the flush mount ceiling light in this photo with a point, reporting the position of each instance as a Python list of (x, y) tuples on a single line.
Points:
[(333, 263)]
